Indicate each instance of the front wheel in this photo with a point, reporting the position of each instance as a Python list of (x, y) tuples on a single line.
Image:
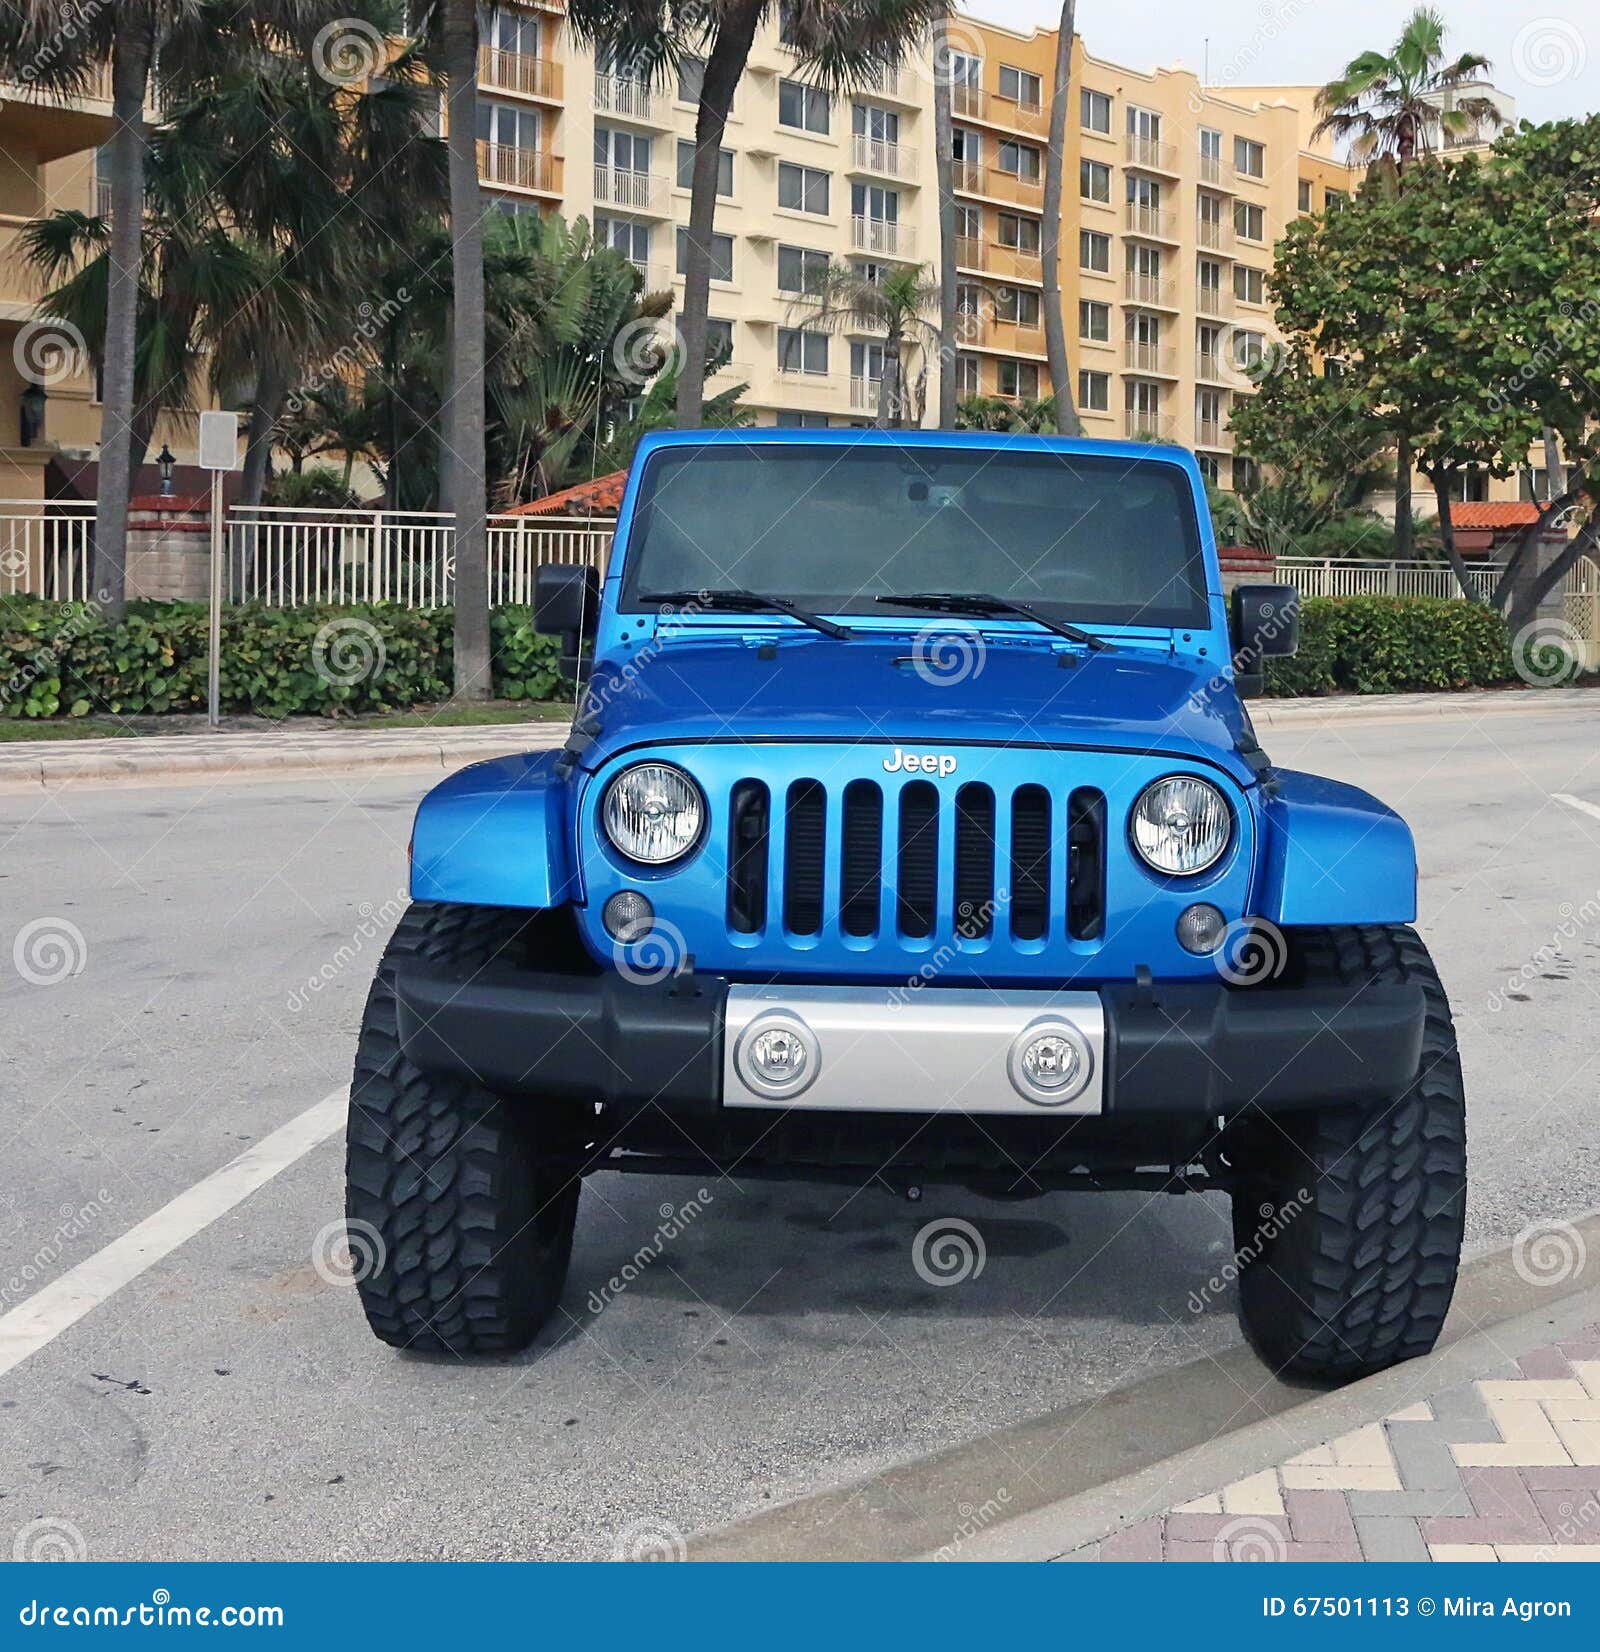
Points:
[(466, 1202), (1348, 1221)]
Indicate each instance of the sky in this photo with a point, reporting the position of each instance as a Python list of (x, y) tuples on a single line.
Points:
[(1546, 53)]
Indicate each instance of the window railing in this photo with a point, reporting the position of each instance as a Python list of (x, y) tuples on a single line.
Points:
[(1151, 154), (638, 191), (523, 72), (516, 168), (889, 237), (892, 160), (621, 95)]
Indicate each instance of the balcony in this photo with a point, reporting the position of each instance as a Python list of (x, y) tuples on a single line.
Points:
[(531, 170), (657, 278), (1140, 426), (47, 125), (521, 73), (1211, 169), (1213, 301), (1155, 359), (1011, 263), (973, 103), (880, 235), (1150, 223), (1015, 338), (627, 98), (864, 393), (883, 159), (972, 178), (1209, 366), (636, 191), (1148, 289), (1213, 235), (1151, 154), (1208, 433)]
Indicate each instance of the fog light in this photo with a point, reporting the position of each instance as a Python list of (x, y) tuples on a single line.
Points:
[(778, 1055), (1201, 929), (1051, 1062), (628, 916)]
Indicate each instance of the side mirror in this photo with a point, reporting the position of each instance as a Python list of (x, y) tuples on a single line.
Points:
[(1266, 626), (566, 599)]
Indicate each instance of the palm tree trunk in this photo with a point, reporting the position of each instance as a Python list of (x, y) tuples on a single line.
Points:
[(1055, 328), (724, 68), (1405, 536), (889, 397), (945, 171), (464, 422), (132, 52), (272, 385)]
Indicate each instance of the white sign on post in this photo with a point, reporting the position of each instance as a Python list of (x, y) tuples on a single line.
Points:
[(219, 452)]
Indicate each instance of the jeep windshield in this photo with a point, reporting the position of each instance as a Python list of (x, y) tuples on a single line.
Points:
[(832, 528)]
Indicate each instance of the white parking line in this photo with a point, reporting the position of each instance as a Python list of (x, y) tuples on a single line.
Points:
[(64, 1301), (1577, 803)]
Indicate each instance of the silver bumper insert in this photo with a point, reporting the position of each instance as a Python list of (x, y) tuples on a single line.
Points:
[(941, 1050)]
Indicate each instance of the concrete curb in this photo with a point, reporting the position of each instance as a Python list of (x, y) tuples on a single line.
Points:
[(173, 759), (1380, 708)]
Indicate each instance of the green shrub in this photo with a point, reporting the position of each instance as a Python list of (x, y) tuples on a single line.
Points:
[(61, 658), (1387, 645)]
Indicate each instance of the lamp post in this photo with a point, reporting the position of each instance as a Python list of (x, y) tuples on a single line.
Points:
[(165, 461)]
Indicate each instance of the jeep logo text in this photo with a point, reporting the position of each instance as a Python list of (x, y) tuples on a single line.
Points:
[(930, 762)]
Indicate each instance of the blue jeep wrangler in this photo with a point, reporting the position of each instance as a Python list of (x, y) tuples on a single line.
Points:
[(911, 829)]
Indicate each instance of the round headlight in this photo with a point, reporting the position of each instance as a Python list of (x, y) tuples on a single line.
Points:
[(653, 813), (1180, 825)]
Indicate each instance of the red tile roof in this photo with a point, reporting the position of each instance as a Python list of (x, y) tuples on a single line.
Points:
[(1501, 513), (601, 497)]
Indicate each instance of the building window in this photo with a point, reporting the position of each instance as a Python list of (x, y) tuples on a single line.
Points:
[(802, 351), (719, 337), (1333, 199), (966, 375), (1305, 195), (686, 167), (623, 235), (1249, 158), (1017, 304), (1249, 349), (800, 421), (1016, 378), (1021, 160), (1249, 222), (1020, 233), (1094, 111), (1021, 87), (1094, 251), (801, 270), (1094, 392), (1094, 320), (806, 108), (1249, 286), (1245, 475), (1209, 468), (721, 255), (1208, 408), (1094, 180), (802, 188), (691, 77)]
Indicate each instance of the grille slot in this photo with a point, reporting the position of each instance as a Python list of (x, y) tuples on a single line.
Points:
[(862, 883), (749, 817), (805, 856), (974, 861), (919, 859), (1030, 863), (1086, 864)]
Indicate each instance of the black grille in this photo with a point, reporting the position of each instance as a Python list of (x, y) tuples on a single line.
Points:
[(1086, 864), (862, 883), (919, 858), (1030, 863), (974, 862), (749, 811), (804, 861)]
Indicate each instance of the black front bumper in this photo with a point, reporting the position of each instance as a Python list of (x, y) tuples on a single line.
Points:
[(1196, 1050)]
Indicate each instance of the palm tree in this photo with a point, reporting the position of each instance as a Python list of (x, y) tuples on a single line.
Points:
[(841, 45), (847, 300), (1055, 331), (1390, 108)]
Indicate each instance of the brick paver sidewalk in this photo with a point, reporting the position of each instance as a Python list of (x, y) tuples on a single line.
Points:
[(1488, 1470)]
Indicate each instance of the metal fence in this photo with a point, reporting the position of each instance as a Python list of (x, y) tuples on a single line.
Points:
[(1328, 578)]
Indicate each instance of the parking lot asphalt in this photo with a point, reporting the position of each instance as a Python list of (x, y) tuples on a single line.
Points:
[(215, 1394)]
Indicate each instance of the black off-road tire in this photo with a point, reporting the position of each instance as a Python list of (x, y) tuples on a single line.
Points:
[(467, 1200), (1359, 1275)]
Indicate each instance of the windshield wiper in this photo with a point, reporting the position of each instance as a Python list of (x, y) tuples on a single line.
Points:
[(748, 602), (978, 603)]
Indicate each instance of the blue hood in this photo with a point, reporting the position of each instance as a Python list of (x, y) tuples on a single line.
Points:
[(1023, 691)]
